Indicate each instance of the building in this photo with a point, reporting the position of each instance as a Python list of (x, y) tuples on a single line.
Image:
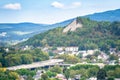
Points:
[(61, 77), (68, 49), (71, 49)]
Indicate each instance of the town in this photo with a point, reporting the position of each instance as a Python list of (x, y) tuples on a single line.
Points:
[(59, 39), (58, 59)]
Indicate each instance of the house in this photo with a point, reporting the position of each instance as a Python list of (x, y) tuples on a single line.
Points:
[(72, 49), (112, 50), (68, 49), (6, 49), (92, 78), (61, 77), (112, 62), (103, 56), (88, 52), (60, 48), (26, 47)]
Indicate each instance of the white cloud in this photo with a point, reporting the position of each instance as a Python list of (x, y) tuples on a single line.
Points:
[(3, 34), (21, 33), (15, 6), (57, 4), (63, 6)]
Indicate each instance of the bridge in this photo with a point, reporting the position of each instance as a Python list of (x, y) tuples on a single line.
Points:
[(49, 63), (38, 64)]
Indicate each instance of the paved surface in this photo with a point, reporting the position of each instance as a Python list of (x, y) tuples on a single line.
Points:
[(36, 64)]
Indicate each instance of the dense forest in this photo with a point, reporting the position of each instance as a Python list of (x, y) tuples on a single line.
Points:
[(14, 57), (92, 35)]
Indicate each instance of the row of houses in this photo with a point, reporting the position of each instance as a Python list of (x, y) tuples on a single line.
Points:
[(72, 49)]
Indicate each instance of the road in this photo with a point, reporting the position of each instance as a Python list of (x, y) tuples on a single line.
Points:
[(36, 64)]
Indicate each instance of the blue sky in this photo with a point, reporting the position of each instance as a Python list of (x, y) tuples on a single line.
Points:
[(51, 11)]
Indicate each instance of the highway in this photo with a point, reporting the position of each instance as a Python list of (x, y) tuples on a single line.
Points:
[(36, 64)]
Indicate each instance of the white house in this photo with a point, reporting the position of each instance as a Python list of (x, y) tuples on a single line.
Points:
[(68, 49), (72, 49)]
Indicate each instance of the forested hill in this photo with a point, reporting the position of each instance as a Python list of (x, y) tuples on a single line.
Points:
[(91, 35)]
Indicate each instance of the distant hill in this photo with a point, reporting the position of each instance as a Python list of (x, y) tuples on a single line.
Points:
[(91, 35), (111, 15), (17, 32)]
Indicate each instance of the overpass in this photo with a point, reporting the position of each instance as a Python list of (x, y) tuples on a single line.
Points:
[(49, 63), (37, 64)]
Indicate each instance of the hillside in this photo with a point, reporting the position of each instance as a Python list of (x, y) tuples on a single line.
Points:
[(72, 26), (111, 15), (17, 32), (92, 35)]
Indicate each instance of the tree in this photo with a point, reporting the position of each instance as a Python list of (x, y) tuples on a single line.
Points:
[(66, 73), (92, 71), (13, 76), (51, 74), (111, 78), (0, 64), (69, 58), (101, 75), (110, 73), (8, 75), (26, 59), (56, 69), (113, 57), (44, 76), (117, 72), (26, 72), (29, 77)]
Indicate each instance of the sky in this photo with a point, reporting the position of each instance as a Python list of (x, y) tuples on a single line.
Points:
[(51, 11)]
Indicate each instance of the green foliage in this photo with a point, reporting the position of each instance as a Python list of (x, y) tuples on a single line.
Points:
[(83, 78), (115, 28), (110, 78), (80, 66), (8, 75), (26, 72), (93, 71), (101, 75), (56, 69), (85, 71), (68, 58), (0, 64), (92, 35), (44, 76), (13, 76), (54, 79), (117, 72), (29, 77), (112, 70), (66, 73), (111, 67), (113, 57), (16, 57), (51, 74), (51, 53)]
